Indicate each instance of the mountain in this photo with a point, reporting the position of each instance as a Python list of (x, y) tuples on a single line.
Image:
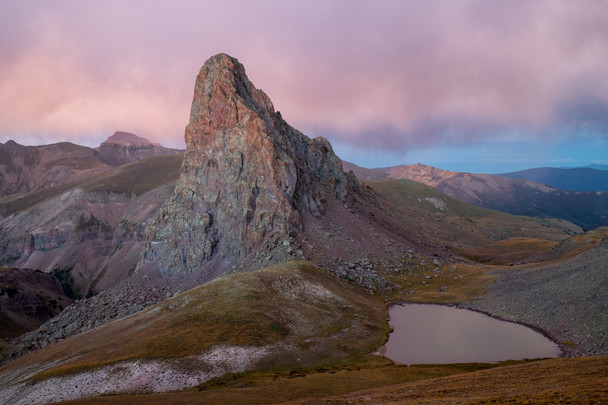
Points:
[(514, 196), (496, 225), (598, 166), (124, 147), (88, 232), (247, 179), (577, 179), (24, 169), (127, 138), (252, 191)]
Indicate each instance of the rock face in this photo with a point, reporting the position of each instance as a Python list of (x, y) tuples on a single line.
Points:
[(245, 179), (124, 147), (88, 233)]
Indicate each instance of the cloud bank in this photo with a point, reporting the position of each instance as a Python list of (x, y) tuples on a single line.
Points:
[(386, 75)]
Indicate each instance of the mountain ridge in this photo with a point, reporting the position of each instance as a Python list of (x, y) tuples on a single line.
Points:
[(514, 196), (125, 147), (125, 138), (25, 169), (585, 179)]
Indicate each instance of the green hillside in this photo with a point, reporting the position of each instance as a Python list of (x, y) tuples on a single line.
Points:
[(408, 193)]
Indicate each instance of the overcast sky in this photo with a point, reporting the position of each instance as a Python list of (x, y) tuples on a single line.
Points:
[(469, 85)]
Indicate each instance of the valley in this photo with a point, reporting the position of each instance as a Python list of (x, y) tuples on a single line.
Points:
[(256, 267)]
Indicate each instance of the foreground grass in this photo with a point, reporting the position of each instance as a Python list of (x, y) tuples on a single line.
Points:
[(375, 380), (574, 381), (278, 387), (253, 309)]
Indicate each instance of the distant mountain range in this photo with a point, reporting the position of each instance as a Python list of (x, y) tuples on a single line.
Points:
[(24, 169), (514, 196), (575, 179)]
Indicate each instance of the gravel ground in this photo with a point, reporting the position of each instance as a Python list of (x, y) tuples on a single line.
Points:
[(568, 300), (137, 376)]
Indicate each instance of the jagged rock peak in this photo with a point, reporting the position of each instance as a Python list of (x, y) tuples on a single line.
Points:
[(127, 138), (246, 177)]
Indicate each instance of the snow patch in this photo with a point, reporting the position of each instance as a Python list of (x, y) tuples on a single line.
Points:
[(437, 203)]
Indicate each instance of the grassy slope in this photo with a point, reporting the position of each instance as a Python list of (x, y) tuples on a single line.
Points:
[(282, 386), (517, 238), (256, 309), (137, 177), (408, 193), (293, 303), (574, 380)]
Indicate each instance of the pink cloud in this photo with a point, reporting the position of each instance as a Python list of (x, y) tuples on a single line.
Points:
[(386, 74)]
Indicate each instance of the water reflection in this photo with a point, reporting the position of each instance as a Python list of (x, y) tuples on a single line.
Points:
[(440, 334)]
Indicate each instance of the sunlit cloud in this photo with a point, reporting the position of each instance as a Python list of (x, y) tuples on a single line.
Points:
[(388, 76)]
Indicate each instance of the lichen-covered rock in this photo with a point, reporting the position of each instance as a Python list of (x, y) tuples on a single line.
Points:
[(245, 178)]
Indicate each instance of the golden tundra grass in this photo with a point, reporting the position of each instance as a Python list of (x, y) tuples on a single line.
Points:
[(368, 372), (570, 381), (573, 381), (504, 252)]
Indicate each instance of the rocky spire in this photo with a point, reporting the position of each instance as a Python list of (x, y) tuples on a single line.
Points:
[(246, 177)]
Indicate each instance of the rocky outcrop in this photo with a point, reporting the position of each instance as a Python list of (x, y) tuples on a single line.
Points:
[(124, 147), (251, 191), (246, 177)]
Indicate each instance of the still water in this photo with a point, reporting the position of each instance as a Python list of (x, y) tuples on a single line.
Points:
[(439, 334)]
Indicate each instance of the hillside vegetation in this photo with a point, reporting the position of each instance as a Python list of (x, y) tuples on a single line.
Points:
[(286, 316), (510, 238)]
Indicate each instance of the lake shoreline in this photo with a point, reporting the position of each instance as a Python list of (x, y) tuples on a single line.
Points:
[(561, 352)]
